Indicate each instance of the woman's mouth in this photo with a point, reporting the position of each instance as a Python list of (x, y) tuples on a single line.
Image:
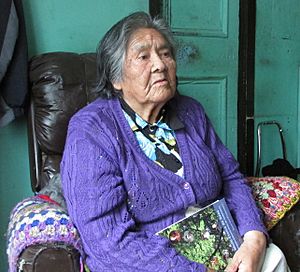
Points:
[(160, 82)]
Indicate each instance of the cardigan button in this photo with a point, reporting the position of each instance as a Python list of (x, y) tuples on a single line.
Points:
[(186, 186)]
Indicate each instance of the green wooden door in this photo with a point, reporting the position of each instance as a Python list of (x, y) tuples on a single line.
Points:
[(277, 76), (207, 58)]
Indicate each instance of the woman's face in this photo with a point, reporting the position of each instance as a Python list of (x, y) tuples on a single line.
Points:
[(149, 72)]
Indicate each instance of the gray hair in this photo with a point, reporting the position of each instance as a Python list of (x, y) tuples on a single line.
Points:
[(112, 49)]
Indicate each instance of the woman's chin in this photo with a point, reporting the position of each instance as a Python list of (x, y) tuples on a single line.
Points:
[(163, 94)]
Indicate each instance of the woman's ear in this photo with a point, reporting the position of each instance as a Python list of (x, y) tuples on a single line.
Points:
[(118, 86)]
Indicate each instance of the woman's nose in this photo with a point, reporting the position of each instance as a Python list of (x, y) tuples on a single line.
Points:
[(157, 63)]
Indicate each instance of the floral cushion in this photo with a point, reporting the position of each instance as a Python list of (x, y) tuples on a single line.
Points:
[(275, 196)]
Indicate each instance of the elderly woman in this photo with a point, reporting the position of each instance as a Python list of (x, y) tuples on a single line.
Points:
[(138, 157)]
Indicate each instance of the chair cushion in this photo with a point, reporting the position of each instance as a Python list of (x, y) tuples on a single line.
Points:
[(61, 83), (275, 196)]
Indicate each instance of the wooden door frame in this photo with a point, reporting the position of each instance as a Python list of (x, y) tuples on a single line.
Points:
[(246, 76), (246, 73)]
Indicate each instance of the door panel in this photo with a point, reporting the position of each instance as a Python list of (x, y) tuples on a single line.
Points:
[(206, 32), (277, 73), (201, 18), (202, 90)]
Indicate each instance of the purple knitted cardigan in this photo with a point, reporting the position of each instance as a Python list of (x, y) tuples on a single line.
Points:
[(118, 198)]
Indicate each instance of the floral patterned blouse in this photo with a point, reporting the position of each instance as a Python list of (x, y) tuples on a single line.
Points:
[(157, 140)]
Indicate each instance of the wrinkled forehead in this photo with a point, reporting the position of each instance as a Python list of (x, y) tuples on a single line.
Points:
[(145, 38)]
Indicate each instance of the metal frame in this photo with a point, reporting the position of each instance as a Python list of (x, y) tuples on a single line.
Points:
[(259, 127)]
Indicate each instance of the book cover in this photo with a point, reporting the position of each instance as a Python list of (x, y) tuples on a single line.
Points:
[(207, 236)]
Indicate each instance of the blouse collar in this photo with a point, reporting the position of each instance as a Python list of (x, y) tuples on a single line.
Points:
[(168, 118)]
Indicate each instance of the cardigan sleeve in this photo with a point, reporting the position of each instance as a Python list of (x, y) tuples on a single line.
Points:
[(97, 204), (237, 193)]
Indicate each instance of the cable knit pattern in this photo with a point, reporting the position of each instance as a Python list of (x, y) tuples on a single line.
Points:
[(118, 198)]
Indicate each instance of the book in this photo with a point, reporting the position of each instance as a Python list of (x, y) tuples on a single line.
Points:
[(207, 236)]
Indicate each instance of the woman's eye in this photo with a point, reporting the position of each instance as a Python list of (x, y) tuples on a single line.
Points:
[(166, 54), (143, 57)]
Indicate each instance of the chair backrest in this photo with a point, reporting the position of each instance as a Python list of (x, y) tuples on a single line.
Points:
[(60, 84)]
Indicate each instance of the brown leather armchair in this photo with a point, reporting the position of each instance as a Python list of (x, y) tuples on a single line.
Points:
[(60, 84)]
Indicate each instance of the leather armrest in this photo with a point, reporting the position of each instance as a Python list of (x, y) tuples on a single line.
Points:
[(50, 257)]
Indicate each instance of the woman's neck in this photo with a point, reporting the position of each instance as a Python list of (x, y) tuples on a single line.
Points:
[(149, 113)]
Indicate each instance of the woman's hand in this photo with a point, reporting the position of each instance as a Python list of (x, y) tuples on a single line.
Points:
[(250, 255)]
